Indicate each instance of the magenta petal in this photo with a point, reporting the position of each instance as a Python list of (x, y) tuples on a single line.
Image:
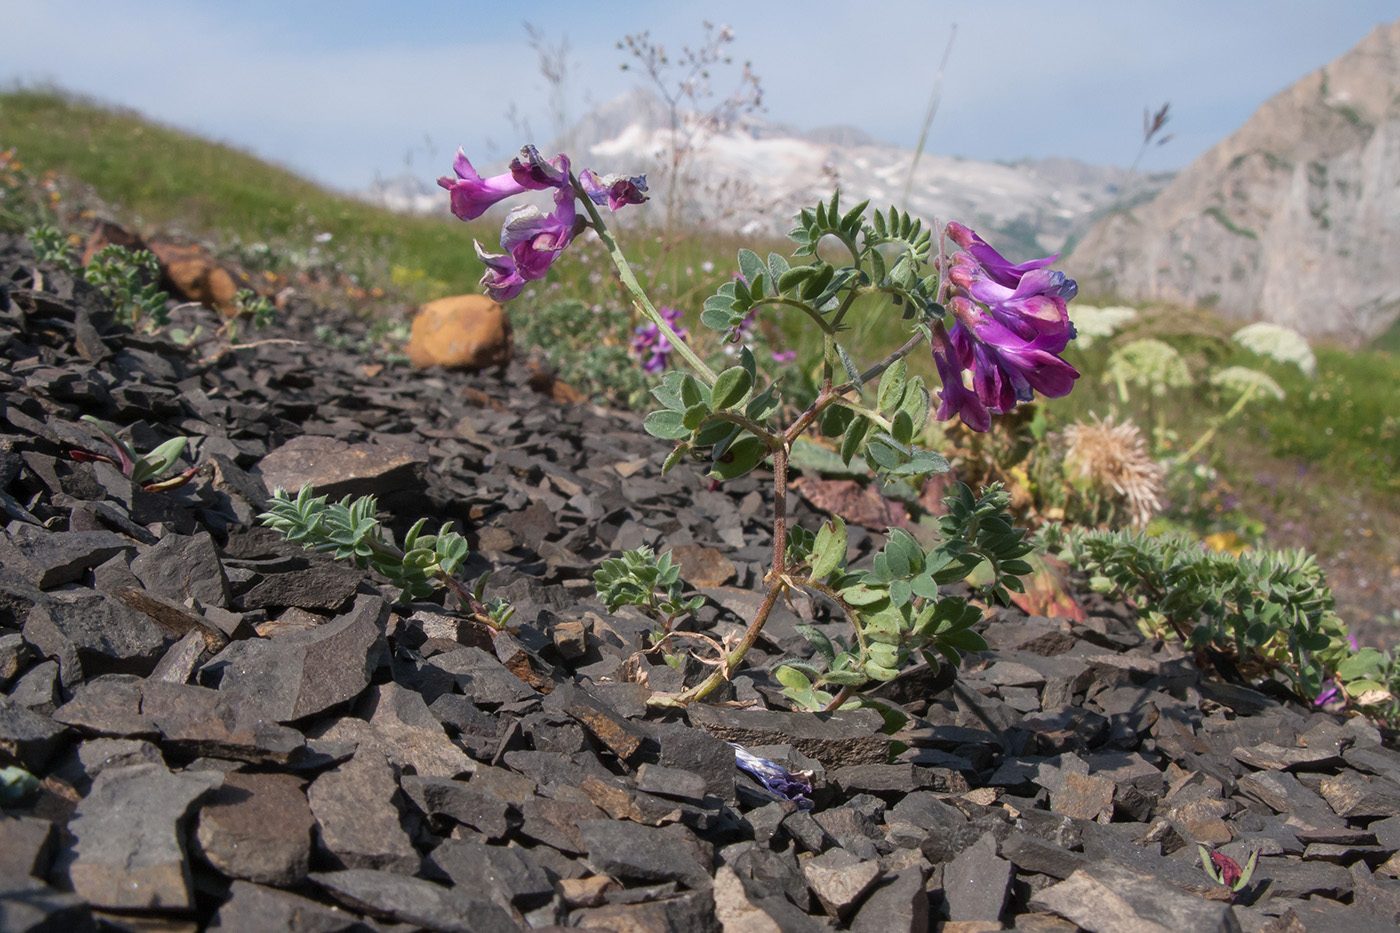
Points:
[(530, 170), (502, 280), (473, 195)]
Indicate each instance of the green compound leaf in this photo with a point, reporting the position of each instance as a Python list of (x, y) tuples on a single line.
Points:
[(674, 457), (855, 436), (666, 424), (777, 267), (892, 386), (965, 639), (730, 388), (695, 416), (741, 457), (790, 677), (750, 265), (829, 551)]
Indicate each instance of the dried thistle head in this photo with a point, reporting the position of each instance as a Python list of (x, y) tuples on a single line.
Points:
[(1114, 457)]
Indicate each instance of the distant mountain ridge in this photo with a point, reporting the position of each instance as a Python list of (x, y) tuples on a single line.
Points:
[(1294, 218), (755, 177)]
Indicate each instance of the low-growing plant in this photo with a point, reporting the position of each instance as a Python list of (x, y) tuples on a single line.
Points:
[(144, 469), (1002, 324), (650, 581), (1225, 870), (129, 280), (1255, 613), (350, 530)]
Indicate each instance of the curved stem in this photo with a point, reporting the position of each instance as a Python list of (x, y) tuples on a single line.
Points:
[(777, 583), (639, 297)]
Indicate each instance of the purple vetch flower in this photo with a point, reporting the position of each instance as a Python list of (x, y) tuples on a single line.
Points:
[(1011, 322), (617, 190), (956, 398), (502, 280), (533, 172), (651, 346), (536, 239), (794, 785), (1007, 368), (784, 356), (473, 195)]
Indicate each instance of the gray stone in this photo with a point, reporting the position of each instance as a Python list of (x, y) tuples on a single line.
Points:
[(338, 469), (898, 904), (671, 782), (455, 801), (1275, 758), (402, 728), (48, 559), (482, 677), (179, 567), (840, 879), (699, 752), (976, 882), (321, 585), (302, 673), (1353, 795), (1032, 854), (359, 823), (1376, 896), (15, 656), (738, 911), (1109, 898), (96, 755), (37, 689), (252, 908), (26, 846), (643, 854), (128, 850), (90, 634), (615, 732), (413, 900), (508, 875), (27, 905), (257, 827), (558, 823), (200, 721), (108, 706), (27, 737), (848, 737), (1285, 877)]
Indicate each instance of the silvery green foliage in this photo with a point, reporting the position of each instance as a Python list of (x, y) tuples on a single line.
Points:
[(897, 610), (140, 468), (350, 530), (1149, 364), (652, 583), (129, 280), (1278, 342), (1271, 609)]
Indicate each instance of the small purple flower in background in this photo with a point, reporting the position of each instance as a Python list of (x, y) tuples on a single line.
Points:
[(783, 357), (616, 190), (1011, 322), (653, 349), (794, 785)]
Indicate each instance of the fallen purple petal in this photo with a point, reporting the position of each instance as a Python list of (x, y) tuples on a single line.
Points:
[(794, 785)]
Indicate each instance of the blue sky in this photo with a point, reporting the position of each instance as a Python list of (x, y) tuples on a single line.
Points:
[(342, 91)]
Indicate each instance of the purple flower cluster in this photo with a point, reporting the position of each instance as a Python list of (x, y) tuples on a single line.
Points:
[(532, 240), (1011, 322), (651, 347)]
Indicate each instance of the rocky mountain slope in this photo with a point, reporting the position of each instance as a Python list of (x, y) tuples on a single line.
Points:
[(1295, 218), (754, 178)]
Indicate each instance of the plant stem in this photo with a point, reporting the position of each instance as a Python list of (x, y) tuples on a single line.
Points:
[(639, 298)]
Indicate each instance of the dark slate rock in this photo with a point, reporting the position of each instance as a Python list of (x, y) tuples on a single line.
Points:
[(1275, 758), (1379, 897), (95, 755), (689, 912), (738, 907), (111, 866), (183, 566), (698, 752), (257, 827), (615, 732), (1031, 854), (401, 728), (840, 879), (898, 904), (320, 585), (89, 634), (671, 782), (52, 558), (108, 706), (412, 900), (977, 881), (455, 801), (508, 875), (302, 673), (27, 905), (27, 737), (1319, 914), (252, 908), (1111, 898), (359, 824), (558, 823), (848, 737), (482, 677), (1352, 795), (38, 689), (199, 721), (26, 846), (643, 854), (338, 469), (1284, 877)]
